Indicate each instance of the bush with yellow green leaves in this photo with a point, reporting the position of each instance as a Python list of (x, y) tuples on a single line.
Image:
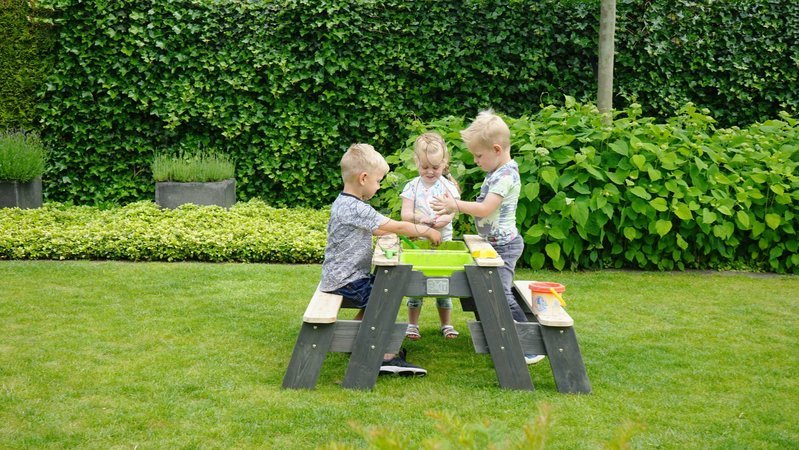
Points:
[(247, 232)]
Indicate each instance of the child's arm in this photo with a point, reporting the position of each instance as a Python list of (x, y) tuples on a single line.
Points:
[(443, 220), (410, 230), (446, 204), (408, 214)]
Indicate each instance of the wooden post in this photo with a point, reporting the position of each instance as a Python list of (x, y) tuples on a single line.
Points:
[(377, 326), (607, 31), (309, 353), (499, 328)]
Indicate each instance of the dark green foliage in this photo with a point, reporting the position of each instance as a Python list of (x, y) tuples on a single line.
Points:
[(640, 194), (284, 87), (23, 65), (738, 58)]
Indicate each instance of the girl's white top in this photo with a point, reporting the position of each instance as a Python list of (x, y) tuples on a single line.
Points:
[(421, 196)]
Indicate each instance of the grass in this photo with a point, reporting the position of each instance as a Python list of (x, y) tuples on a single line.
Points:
[(190, 355), (199, 167), (22, 156)]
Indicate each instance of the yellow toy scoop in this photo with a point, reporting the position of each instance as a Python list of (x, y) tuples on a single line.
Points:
[(484, 253)]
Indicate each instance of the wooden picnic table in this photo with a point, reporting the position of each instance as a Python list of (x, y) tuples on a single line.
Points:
[(480, 290)]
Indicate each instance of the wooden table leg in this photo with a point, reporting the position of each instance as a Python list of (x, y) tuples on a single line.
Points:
[(566, 360), (376, 327), (499, 328), (309, 353)]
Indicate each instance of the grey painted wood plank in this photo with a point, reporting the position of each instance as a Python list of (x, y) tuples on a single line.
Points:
[(467, 304), (458, 285), (529, 338), (498, 328), (346, 330), (308, 355), (566, 360), (376, 327)]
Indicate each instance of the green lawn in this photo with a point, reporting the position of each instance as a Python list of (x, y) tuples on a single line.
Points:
[(184, 355)]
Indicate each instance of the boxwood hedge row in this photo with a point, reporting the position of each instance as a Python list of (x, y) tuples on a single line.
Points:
[(285, 86), (247, 232)]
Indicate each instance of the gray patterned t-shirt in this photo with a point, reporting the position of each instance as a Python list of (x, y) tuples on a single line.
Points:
[(348, 255), (500, 226)]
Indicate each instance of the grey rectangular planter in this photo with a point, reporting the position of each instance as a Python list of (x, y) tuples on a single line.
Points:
[(21, 195), (170, 194)]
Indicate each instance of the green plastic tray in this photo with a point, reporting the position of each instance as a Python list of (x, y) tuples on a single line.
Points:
[(447, 246), (434, 263)]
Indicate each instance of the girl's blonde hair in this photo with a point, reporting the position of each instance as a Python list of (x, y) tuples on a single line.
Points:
[(425, 149)]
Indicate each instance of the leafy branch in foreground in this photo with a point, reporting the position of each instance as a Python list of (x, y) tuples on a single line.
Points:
[(455, 434)]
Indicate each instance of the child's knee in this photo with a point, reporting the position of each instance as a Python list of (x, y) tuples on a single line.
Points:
[(444, 303), (414, 303)]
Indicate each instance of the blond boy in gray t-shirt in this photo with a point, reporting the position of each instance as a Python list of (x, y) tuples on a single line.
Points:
[(353, 222), (494, 211)]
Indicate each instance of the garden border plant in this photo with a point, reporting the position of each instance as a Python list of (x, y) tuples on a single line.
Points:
[(23, 159), (247, 232), (201, 178), (641, 194)]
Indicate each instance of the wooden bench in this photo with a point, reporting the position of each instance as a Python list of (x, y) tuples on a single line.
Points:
[(323, 308), (550, 315), (322, 332), (549, 334)]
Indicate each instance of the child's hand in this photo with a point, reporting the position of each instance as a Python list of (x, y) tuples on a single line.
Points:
[(443, 204), (433, 236), (439, 222), (429, 221)]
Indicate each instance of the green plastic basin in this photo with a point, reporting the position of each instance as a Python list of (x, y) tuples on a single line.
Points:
[(447, 246), (433, 263)]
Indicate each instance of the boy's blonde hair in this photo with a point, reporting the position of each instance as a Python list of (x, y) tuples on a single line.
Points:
[(486, 130), (361, 158)]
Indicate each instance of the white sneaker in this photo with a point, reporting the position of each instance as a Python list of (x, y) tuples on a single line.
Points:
[(533, 359)]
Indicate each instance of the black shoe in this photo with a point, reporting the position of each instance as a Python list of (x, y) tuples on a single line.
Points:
[(397, 365)]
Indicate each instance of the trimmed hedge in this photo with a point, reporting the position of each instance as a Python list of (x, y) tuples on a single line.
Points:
[(639, 194), (24, 49), (247, 232), (284, 87)]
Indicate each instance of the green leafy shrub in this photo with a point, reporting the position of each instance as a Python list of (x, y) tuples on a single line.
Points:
[(284, 87), (22, 156), (25, 50), (202, 167), (247, 232), (640, 194)]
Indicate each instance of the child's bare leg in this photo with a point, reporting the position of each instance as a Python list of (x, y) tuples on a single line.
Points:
[(444, 314), (413, 315), (414, 310)]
